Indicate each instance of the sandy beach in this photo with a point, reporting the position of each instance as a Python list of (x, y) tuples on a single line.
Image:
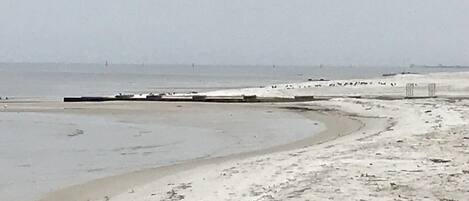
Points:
[(409, 149), (419, 154), (371, 149)]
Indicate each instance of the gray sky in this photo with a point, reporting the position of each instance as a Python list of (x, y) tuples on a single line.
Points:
[(296, 32)]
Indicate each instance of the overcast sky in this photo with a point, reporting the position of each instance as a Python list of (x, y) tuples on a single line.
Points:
[(283, 32)]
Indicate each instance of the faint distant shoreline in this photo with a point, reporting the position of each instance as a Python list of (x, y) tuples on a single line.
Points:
[(439, 66)]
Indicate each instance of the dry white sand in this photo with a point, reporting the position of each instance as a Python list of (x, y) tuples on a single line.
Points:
[(421, 154), (447, 84)]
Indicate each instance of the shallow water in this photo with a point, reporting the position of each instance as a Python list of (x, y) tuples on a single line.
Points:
[(41, 152)]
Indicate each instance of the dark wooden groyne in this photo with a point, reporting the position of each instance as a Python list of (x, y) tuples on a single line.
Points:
[(195, 98), (87, 99), (237, 99)]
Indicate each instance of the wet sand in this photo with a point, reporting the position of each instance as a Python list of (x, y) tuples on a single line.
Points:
[(338, 124)]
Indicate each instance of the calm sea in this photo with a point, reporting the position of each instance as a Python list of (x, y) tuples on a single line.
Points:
[(57, 80)]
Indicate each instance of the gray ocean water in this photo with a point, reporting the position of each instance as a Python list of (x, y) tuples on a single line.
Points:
[(58, 80)]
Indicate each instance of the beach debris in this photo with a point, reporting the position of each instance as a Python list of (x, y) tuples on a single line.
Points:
[(366, 175), (447, 199), (76, 132), (394, 186), (439, 160), (185, 185), (172, 195)]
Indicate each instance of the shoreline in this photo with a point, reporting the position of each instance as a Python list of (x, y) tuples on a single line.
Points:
[(397, 146), (416, 149), (114, 185)]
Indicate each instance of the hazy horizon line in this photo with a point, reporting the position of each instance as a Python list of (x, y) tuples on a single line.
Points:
[(214, 64)]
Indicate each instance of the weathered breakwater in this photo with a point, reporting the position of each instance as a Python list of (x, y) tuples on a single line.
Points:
[(193, 98)]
